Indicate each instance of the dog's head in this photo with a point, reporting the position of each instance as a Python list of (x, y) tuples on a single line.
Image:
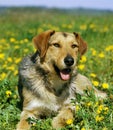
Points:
[(59, 51)]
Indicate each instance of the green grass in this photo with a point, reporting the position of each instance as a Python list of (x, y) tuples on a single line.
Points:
[(17, 28)]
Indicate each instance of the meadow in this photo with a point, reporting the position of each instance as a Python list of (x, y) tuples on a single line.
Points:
[(19, 26)]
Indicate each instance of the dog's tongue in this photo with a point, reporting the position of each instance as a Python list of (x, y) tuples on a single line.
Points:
[(65, 74)]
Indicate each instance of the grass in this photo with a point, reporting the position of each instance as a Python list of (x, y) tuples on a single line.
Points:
[(17, 28)]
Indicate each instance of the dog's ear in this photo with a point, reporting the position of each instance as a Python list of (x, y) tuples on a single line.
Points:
[(41, 42), (82, 44)]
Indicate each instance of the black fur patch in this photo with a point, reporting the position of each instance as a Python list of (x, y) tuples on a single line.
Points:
[(33, 57), (64, 34)]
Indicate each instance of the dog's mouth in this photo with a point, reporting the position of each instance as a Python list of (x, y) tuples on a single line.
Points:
[(64, 73)]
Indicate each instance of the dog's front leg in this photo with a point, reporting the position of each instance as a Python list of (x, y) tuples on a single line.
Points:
[(60, 120), (23, 124)]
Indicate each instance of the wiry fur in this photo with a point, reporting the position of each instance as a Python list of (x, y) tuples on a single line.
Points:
[(42, 90)]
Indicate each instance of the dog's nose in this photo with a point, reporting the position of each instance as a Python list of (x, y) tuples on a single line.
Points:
[(69, 60)]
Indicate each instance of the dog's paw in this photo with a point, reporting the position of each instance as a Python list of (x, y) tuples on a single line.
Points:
[(60, 121)]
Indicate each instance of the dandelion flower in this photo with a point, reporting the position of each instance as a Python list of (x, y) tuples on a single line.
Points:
[(93, 75), (99, 118), (81, 66), (95, 83), (8, 93), (83, 128), (69, 121), (3, 76), (83, 27), (105, 86), (2, 55), (83, 59), (101, 55)]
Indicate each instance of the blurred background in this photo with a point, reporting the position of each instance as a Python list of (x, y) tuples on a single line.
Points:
[(94, 4)]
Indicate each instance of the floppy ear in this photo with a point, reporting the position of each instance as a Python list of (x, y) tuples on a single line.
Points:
[(82, 44), (41, 42)]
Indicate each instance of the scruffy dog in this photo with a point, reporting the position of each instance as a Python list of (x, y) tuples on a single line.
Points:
[(48, 79)]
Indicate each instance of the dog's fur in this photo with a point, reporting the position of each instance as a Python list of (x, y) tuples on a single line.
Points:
[(48, 79)]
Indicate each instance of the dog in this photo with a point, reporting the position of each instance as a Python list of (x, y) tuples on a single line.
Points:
[(48, 79)]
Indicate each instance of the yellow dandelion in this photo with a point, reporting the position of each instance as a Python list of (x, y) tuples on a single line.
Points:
[(92, 26), (99, 118), (16, 47), (12, 39), (83, 128), (83, 27), (12, 68), (105, 29), (101, 55), (26, 40), (3, 76), (40, 30), (104, 128), (105, 86), (93, 75), (81, 66), (15, 72), (88, 104), (8, 93), (94, 52), (109, 48), (17, 60), (100, 109), (95, 83), (9, 59), (69, 121), (2, 55), (83, 59), (77, 107)]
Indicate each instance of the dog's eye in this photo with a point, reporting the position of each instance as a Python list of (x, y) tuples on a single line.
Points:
[(74, 46), (56, 45)]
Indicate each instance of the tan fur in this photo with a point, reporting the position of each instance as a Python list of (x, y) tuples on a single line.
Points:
[(42, 88)]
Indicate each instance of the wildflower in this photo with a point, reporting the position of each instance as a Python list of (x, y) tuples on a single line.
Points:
[(9, 59), (40, 30), (83, 128), (93, 52), (83, 27), (77, 107), (105, 29), (26, 40), (12, 68), (99, 118), (92, 26), (17, 60), (104, 128), (15, 72), (8, 93), (93, 75), (16, 47), (105, 86), (101, 109), (95, 83), (101, 55), (2, 55), (12, 39), (106, 110), (109, 48), (88, 104), (3, 76), (83, 59), (69, 121), (81, 66)]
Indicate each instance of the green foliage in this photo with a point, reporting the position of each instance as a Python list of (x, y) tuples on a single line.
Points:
[(19, 26)]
